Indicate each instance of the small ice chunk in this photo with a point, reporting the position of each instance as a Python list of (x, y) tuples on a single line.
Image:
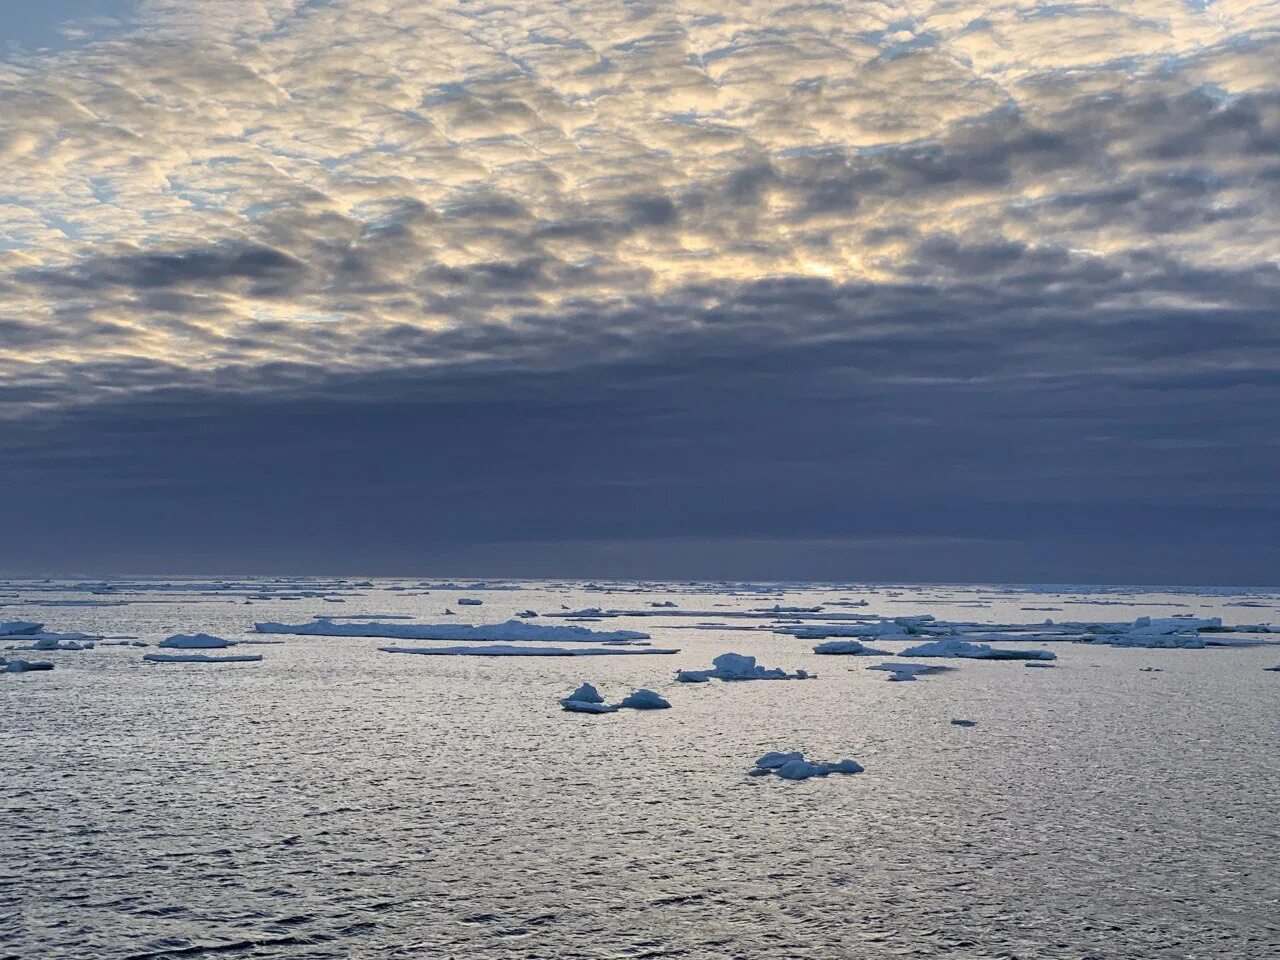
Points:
[(955, 647), (644, 699), (904, 671), (19, 628), (469, 602), (964, 723), (587, 694), (23, 666), (586, 706), (773, 760), (201, 658), (793, 766), (852, 648), (194, 641), (736, 666)]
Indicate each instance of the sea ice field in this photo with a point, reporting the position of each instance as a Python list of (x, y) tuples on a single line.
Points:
[(178, 782)]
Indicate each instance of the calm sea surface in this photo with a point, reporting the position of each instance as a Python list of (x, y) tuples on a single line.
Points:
[(337, 802)]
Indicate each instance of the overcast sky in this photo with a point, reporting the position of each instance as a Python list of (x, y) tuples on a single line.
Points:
[(907, 290)]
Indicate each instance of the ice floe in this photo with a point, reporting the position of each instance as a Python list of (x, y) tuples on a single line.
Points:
[(201, 658), (23, 666), (510, 631), (851, 648), (906, 671), (469, 602), (508, 650), (644, 699), (955, 647), (737, 666), (19, 628), (793, 766), (194, 641), (964, 723)]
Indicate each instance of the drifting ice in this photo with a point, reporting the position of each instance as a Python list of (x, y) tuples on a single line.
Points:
[(793, 766), (201, 658), (850, 648), (736, 666), (195, 641), (512, 630), (955, 647), (507, 650), (645, 700)]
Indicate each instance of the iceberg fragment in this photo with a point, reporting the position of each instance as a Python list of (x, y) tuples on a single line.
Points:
[(23, 666), (737, 666), (955, 647), (644, 699), (905, 671), (510, 631), (793, 766), (194, 641), (852, 648)]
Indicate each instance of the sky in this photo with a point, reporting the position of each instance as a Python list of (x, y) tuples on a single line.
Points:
[(935, 290)]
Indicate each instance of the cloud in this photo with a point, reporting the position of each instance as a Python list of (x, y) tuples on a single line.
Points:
[(931, 214)]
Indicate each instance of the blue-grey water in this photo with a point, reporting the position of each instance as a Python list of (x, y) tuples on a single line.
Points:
[(332, 801)]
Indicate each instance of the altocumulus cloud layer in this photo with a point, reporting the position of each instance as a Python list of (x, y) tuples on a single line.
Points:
[(910, 289)]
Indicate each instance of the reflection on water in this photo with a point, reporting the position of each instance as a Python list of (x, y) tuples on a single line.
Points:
[(334, 802)]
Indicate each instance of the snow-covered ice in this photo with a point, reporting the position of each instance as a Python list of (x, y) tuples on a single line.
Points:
[(955, 647), (737, 666), (23, 666), (852, 648), (793, 766), (644, 699), (194, 641), (510, 631), (509, 650), (905, 671)]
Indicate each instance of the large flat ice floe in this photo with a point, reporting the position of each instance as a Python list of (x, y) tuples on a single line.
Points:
[(1177, 632), (793, 766), (906, 671), (194, 641), (737, 666), (849, 648), (508, 650), (955, 647), (19, 628), (201, 658), (510, 631)]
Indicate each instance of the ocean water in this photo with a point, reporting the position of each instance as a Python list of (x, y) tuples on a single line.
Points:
[(337, 802)]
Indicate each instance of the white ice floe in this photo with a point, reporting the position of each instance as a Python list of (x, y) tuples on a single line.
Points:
[(510, 631), (586, 706), (644, 699), (955, 647), (852, 648), (587, 694), (194, 641), (737, 666), (55, 641), (905, 671), (662, 603), (1178, 632), (469, 602), (201, 658), (23, 666), (793, 766), (508, 650), (20, 628)]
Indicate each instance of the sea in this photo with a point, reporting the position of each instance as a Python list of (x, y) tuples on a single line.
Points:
[(336, 801)]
